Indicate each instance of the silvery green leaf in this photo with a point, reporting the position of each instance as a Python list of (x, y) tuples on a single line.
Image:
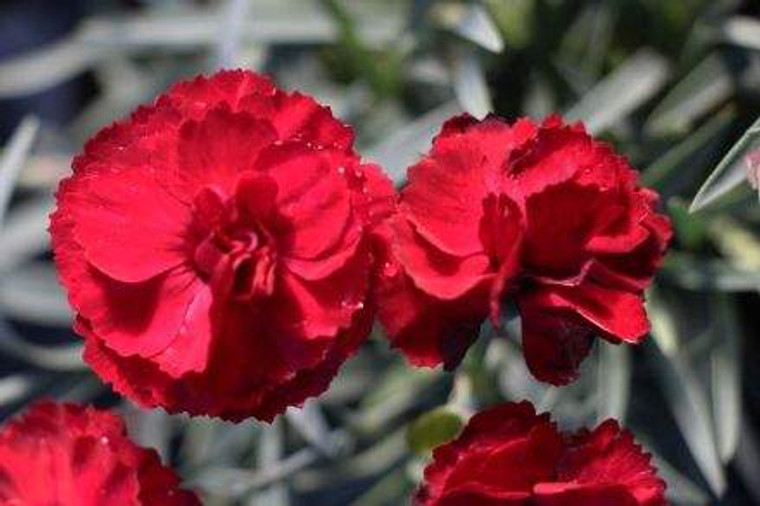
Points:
[(183, 29), (312, 425), (731, 171), (743, 31), (515, 380), (149, 428), (62, 357), (235, 482), (38, 70), (725, 364), (696, 274), (736, 241), (16, 387), (13, 158), (396, 392), (83, 389), (24, 233), (703, 88), (676, 160), (614, 381), (680, 490), (539, 101), (270, 452), (474, 23), (691, 411), (403, 148), (33, 294), (617, 95), (393, 488), (686, 399), (216, 442), (233, 21), (470, 84)]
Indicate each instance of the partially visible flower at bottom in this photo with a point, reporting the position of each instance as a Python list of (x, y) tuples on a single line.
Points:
[(71, 455), (510, 456)]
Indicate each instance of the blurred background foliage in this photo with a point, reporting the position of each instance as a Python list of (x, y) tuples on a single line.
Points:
[(674, 85)]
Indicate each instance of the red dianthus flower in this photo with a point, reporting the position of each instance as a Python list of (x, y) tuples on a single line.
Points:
[(509, 456), (540, 214), (70, 455), (215, 248)]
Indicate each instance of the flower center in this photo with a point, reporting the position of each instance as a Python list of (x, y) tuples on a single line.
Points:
[(236, 251)]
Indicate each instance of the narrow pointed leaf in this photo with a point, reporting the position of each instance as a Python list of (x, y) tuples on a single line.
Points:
[(730, 172), (622, 92)]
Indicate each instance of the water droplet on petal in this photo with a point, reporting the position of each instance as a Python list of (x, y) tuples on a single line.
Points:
[(352, 304), (390, 269)]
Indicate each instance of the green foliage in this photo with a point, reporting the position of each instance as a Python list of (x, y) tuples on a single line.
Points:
[(433, 429)]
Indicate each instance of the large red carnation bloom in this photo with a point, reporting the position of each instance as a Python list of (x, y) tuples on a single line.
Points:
[(509, 456), (70, 455), (543, 215), (215, 248)]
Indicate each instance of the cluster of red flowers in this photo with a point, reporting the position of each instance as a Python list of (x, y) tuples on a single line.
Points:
[(225, 250)]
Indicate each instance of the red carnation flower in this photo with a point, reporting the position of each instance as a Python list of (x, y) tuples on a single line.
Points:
[(215, 248), (70, 455), (508, 455), (541, 214)]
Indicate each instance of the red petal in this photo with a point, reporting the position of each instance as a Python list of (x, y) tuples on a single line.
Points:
[(609, 456), (573, 495), (374, 194), (427, 330), (195, 97), (443, 199), (313, 196), (129, 226), (560, 222), (619, 315), (554, 341), (256, 194), (189, 350), (513, 465), (71, 455), (299, 116), (472, 466), (437, 273), (323, 307), (215, 149), (142, 319), (554, 155), (445, 194)]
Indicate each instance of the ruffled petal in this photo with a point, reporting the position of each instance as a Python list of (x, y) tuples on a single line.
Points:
[(128, 225), (299, 116), (609, 456), (214, 150), (312, 196), (429, 331), (500, 454), (555, 341), (435, 272), (72, 455)]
